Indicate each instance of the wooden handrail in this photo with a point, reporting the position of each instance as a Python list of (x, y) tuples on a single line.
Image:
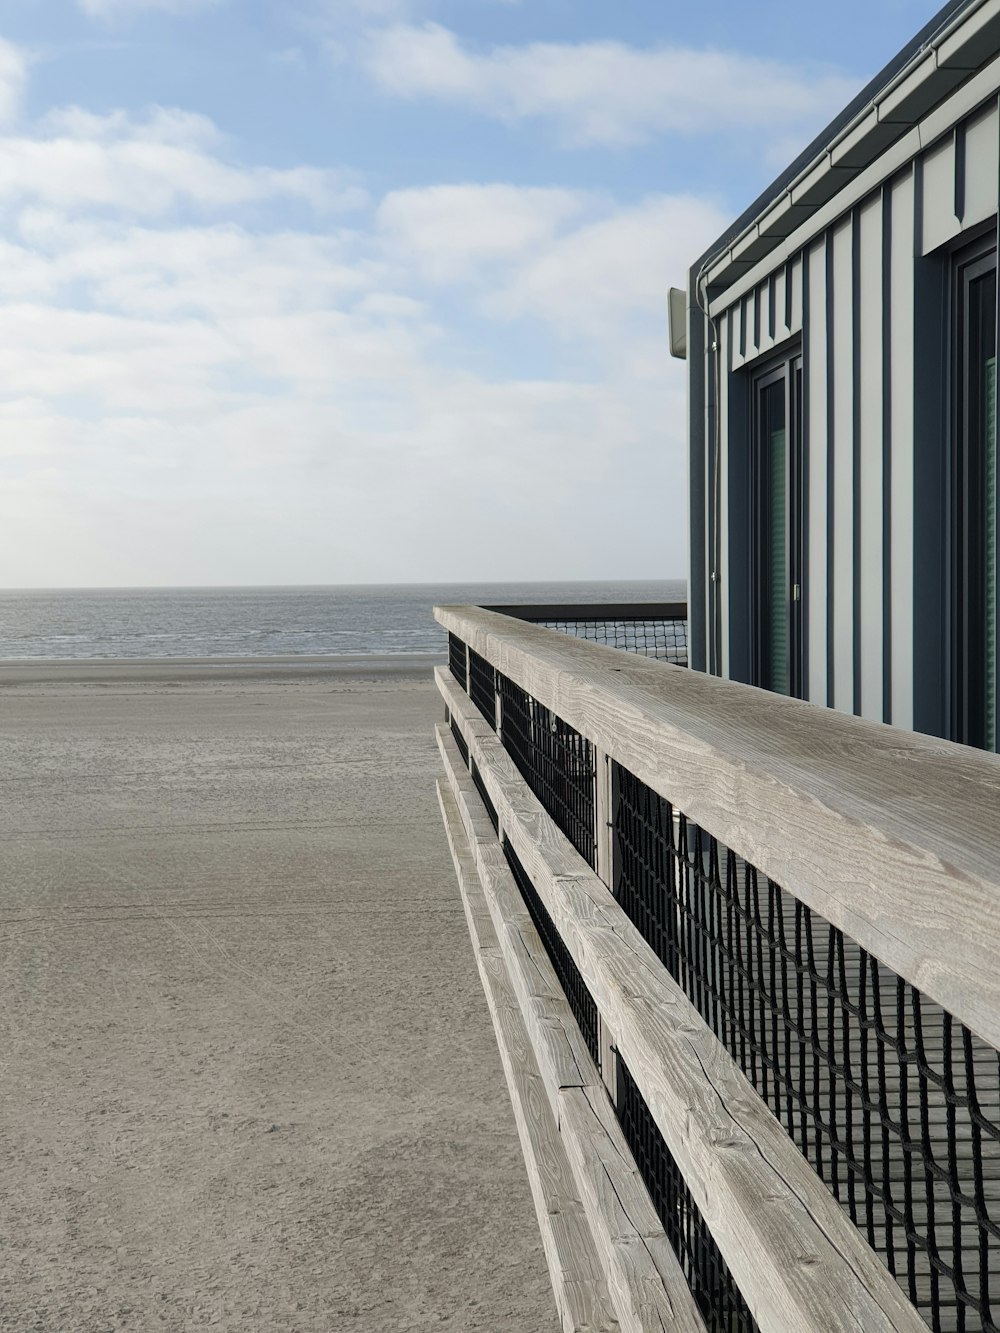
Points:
[(891, 836), (576, 611), (796, 1257)]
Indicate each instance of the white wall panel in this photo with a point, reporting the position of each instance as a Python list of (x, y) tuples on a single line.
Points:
[(871, 494), (939, 221), (982, 150), (816, 436), (780, 327), (796, 323), (735, 358), (901, 507), (843, 469)]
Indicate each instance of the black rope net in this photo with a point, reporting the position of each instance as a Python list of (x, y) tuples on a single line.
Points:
[(555, 761), (718, 1298), (482, 687), (574, 987), (463, 749), (456, 658), (894, 1102), (662, 639), (491, 809)]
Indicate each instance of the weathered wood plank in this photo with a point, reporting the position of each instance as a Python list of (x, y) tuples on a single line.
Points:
[(648, 1288), (892, 836), (646, 1281), (797, 1259), (577, 1276), (502, 774), (559, 1047)]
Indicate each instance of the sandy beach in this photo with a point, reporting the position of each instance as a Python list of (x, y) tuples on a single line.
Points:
[(249, 1079)]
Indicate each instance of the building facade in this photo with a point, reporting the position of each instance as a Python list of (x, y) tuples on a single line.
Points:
[(841, 344)]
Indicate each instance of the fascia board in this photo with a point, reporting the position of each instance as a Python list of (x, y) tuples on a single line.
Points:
[(851, 186), (977, 40)]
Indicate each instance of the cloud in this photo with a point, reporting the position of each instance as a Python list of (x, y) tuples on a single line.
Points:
[(287, 403), (450, 230), (576, 261), (150, 165), (123, 9), (605, 92), (238, 399), (616, 267), (13, 78)]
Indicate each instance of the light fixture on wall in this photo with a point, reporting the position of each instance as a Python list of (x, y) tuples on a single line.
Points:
[(677, 317)]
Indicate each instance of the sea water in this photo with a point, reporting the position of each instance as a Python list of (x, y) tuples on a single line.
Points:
[(365, 620)]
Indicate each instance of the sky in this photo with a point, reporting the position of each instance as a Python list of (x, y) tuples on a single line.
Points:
[(347, 291)]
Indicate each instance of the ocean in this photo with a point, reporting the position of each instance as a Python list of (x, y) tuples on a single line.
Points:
[(368, 620)]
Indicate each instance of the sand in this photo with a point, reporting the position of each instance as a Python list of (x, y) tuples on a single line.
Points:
[(248, 1076)]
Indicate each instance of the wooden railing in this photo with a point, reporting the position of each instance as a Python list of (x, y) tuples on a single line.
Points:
[(789, 929), (652, 629)]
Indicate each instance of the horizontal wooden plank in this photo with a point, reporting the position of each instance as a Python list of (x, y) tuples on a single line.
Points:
[(580, 1289), (648, 1288), (558, 850), (586, 611), (645, 1278), (795, 1256), (555, 1038), (892, 836)]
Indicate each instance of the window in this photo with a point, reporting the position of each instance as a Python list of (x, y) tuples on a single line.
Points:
[(777, 485), (973, 507)]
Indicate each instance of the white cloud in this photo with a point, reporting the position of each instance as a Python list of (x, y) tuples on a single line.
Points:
[(149, 166), (605, 92), (239, 402), (118, 9), (450, 230), (617, 267), (13, 77), (573, 260)]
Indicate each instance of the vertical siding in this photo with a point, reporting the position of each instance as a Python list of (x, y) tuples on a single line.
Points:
[(816, 441), (723, 483), (842, 390), (709, 465), (697, 533), (780, 331), (869, 332), (901, 449), (870, 297), (795, 296), (938, 221), (982, 148)]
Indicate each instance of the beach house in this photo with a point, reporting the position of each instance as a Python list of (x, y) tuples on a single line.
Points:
[(842, 373), (734, 892)]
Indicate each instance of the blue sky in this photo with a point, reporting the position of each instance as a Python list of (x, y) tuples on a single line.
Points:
[(360, 290)]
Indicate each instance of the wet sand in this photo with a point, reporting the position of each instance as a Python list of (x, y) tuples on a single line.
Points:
[(248, 1076)]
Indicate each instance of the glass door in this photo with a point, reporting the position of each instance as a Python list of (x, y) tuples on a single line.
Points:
[(777, 528), (974, 503)]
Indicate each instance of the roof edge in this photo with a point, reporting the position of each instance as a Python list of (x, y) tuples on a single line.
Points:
[(823, 141)]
